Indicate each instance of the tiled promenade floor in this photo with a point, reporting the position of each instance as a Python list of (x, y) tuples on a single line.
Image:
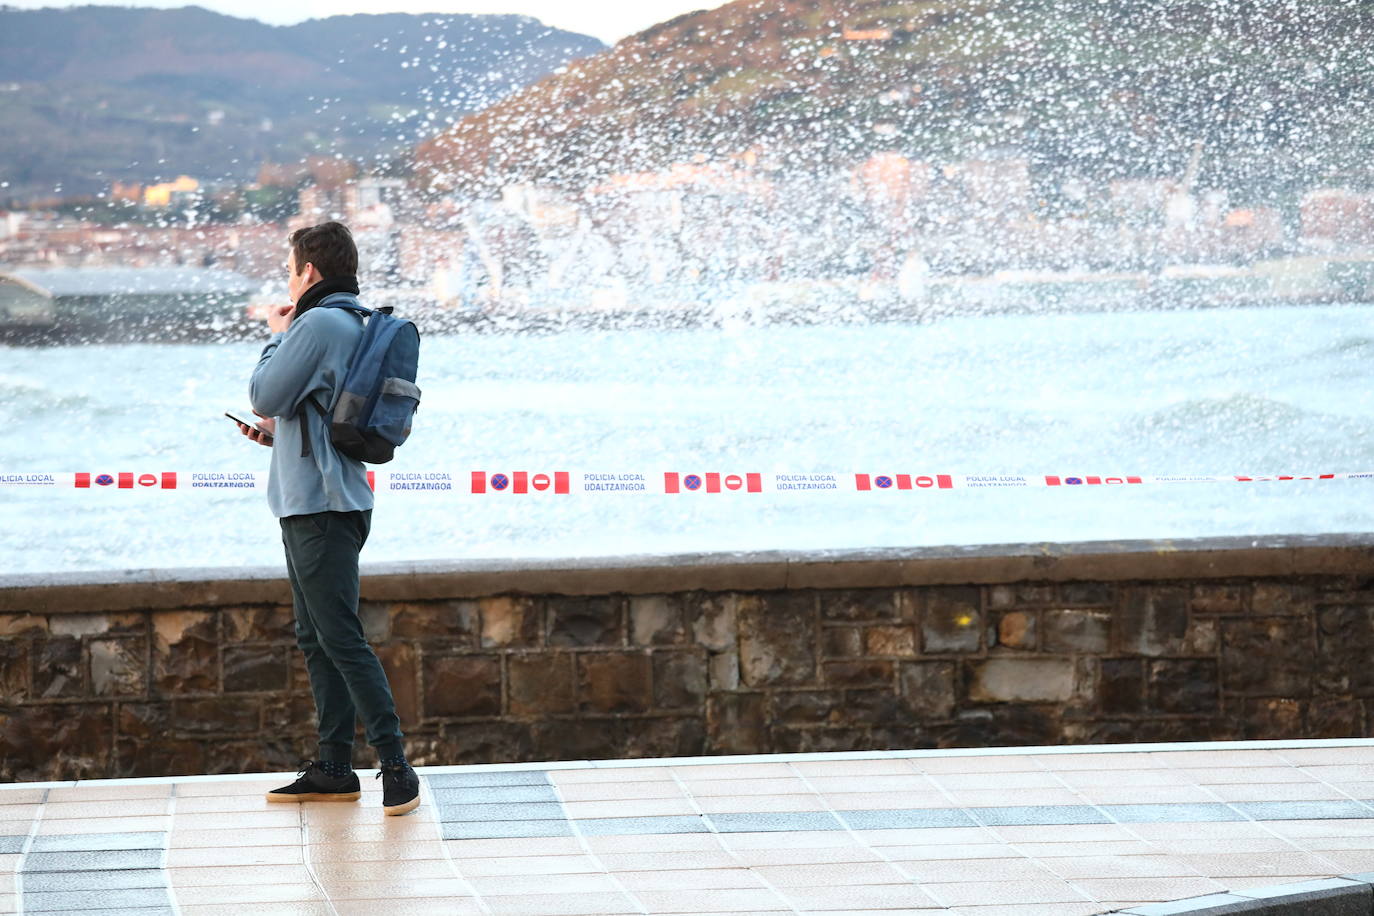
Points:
[(1030, 832)]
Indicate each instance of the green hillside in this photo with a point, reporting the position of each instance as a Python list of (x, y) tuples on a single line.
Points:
[(1280, 94), (93, 94)]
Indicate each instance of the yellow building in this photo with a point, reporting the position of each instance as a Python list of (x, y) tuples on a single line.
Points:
[(160, 195)]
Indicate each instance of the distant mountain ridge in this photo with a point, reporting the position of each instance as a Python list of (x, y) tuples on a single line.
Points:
[(93, 94), (1276, 94)]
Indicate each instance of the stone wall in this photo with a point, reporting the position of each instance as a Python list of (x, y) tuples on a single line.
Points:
[(189, 672)]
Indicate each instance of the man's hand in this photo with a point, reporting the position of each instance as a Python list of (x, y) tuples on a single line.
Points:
[(279, 318), (262, 433)]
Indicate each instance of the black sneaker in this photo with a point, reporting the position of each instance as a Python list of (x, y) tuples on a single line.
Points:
[(314, 784), (400, 789)]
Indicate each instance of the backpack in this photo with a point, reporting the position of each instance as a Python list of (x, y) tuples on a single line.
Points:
[(375, 404)]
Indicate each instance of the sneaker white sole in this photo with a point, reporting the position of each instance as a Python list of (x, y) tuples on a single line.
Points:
[(403, 807), (316, 796)]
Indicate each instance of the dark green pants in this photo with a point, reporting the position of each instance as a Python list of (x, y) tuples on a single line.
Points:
[(345, 675)]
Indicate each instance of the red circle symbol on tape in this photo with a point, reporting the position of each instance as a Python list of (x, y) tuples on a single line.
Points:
[(540, 481)]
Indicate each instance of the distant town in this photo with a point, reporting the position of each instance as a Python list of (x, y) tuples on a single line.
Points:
[(894, 231)]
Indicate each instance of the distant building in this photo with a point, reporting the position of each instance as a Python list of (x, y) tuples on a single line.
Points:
[(1337, 216), (161, 195), (867, 34)]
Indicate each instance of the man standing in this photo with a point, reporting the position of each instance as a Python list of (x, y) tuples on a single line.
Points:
[(324, 504)]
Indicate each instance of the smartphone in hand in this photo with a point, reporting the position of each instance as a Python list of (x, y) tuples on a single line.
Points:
[(251, 424)]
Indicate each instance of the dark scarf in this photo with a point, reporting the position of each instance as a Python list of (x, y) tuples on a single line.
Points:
[(311, 297)]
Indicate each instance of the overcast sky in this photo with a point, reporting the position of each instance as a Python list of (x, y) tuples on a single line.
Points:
[(609, 20)]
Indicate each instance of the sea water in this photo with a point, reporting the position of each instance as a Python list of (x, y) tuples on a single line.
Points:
[(1236, 391)]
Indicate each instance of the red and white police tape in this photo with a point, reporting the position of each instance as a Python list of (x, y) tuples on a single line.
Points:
[(567, 483)]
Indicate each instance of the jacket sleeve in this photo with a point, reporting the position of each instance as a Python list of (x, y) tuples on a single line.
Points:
[(284, 373)]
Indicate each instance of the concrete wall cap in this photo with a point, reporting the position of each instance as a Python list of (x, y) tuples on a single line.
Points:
[(1235, 557)]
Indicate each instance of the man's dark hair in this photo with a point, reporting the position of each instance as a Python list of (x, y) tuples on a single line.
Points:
[(329, 246)]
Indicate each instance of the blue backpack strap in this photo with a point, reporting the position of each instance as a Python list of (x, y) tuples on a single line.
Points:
[(333, 301)]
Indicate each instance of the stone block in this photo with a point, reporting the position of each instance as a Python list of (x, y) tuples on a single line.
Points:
[(119, 667), (1271, 599), (217, 716), (842, 642), (656, 620), (1076, 631), (1027, 680), (1007, 725), (376, 620), (678, 736), (399, 662), (185, 652), (715, 623), (1001, 597), (723, 668), (1345, 643), (807, 707), (22, 625), (462, 685), (737, 723), (952, 620), (1218, 599), (78, 625), (679, 680), (928, 689), (509, 620), (14, 671), (1152, 620), (458, 621), (488, 742), (259, 623), (294, 714), (143, 721), (866, 673), (1203, 637), (1035, 594), (1272, 719), (891, 640), (1187, 686), (859, 604), (777, 638), (1121, 686), (1335, 717), (873, 708), (596, 738), (1017, 630), (585, 622), (1098, 594), (541, 685), (56, 741), (164, 757), (611, 682), (1268, 656), (255, 668), (58, 670)]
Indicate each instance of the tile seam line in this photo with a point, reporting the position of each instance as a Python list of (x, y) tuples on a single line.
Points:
[(24, 854), (586, 848), (1335, 788), (1005, 842), (304, 826), (167, 850), (1266, 828), (1107, 814), (864, 844), (448, 854), (915, 754), (691, 800)]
